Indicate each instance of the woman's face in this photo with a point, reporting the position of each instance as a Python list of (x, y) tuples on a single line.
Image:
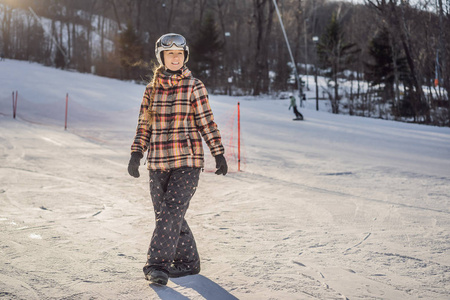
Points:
[(173, 59)]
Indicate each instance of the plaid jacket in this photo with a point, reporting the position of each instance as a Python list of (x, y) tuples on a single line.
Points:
[(183, 116)]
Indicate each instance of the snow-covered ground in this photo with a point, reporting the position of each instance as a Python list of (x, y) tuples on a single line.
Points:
[(332, 207)]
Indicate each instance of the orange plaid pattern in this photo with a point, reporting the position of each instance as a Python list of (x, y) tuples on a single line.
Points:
[(183, 116)]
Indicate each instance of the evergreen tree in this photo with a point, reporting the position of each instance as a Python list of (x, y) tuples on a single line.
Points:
[(130, 52), (282, 71), (207, 51), (36, 43), (389, 67), (60, 60), (335, 54)]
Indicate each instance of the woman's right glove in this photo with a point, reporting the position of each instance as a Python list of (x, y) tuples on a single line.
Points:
[(133, 165)]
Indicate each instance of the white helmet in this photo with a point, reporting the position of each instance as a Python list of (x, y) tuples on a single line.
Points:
[(171, 41)]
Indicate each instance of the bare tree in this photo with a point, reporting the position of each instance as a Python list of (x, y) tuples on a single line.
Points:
[(263, 15), (6, 19)]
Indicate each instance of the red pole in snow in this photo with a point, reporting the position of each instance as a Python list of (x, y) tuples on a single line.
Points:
[(239, 136), (14, 107), (67, 104), (14, 103)]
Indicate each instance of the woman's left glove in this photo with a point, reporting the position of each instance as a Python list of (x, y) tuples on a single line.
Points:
[(133, 165), (221, 165)]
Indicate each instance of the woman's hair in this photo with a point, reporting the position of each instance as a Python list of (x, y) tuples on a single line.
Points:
[(154, 84)]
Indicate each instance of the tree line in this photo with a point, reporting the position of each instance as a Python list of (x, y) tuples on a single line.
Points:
[(393, 54)]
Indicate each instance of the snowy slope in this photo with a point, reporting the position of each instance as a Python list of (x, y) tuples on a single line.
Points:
[(333, 207)]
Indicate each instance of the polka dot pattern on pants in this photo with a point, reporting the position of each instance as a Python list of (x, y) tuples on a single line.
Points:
[(172, 239)]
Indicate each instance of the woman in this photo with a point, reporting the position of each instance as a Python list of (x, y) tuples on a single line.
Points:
[(174, 115)]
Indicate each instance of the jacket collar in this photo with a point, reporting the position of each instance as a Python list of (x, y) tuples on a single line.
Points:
[(168, 80)]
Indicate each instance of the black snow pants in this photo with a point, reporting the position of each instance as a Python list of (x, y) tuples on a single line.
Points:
[(298, 115), (172, 240)]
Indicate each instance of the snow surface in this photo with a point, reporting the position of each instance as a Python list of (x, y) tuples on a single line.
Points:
[(332, 207)]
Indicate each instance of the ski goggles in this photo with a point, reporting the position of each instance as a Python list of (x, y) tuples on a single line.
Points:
[(168, 40)]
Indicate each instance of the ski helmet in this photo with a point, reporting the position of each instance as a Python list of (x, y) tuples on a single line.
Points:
[(171, 41)]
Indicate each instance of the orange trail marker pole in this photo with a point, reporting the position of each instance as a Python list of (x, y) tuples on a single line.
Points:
[(14, 103), (67, 103), (14, 106), (239, 136)]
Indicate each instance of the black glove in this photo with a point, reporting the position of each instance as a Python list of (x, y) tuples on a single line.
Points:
[(133, 165), (221, 165)]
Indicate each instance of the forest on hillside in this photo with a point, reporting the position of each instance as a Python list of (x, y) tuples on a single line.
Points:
[(395, 54)]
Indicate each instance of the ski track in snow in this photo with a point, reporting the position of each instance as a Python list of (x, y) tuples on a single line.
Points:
[(333, 207)]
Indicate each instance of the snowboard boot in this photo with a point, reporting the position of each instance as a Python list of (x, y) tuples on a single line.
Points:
[(157, 276), (180, 269)]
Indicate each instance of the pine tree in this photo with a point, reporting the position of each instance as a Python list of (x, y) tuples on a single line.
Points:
[(207, 51), (389, 67), (336, 54), (130, 52), (60, 60)]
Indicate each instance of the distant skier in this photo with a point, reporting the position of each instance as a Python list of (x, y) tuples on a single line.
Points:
[(298, 115), (2, 56)]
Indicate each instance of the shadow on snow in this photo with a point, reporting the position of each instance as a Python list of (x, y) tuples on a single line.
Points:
[(202, 285)]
